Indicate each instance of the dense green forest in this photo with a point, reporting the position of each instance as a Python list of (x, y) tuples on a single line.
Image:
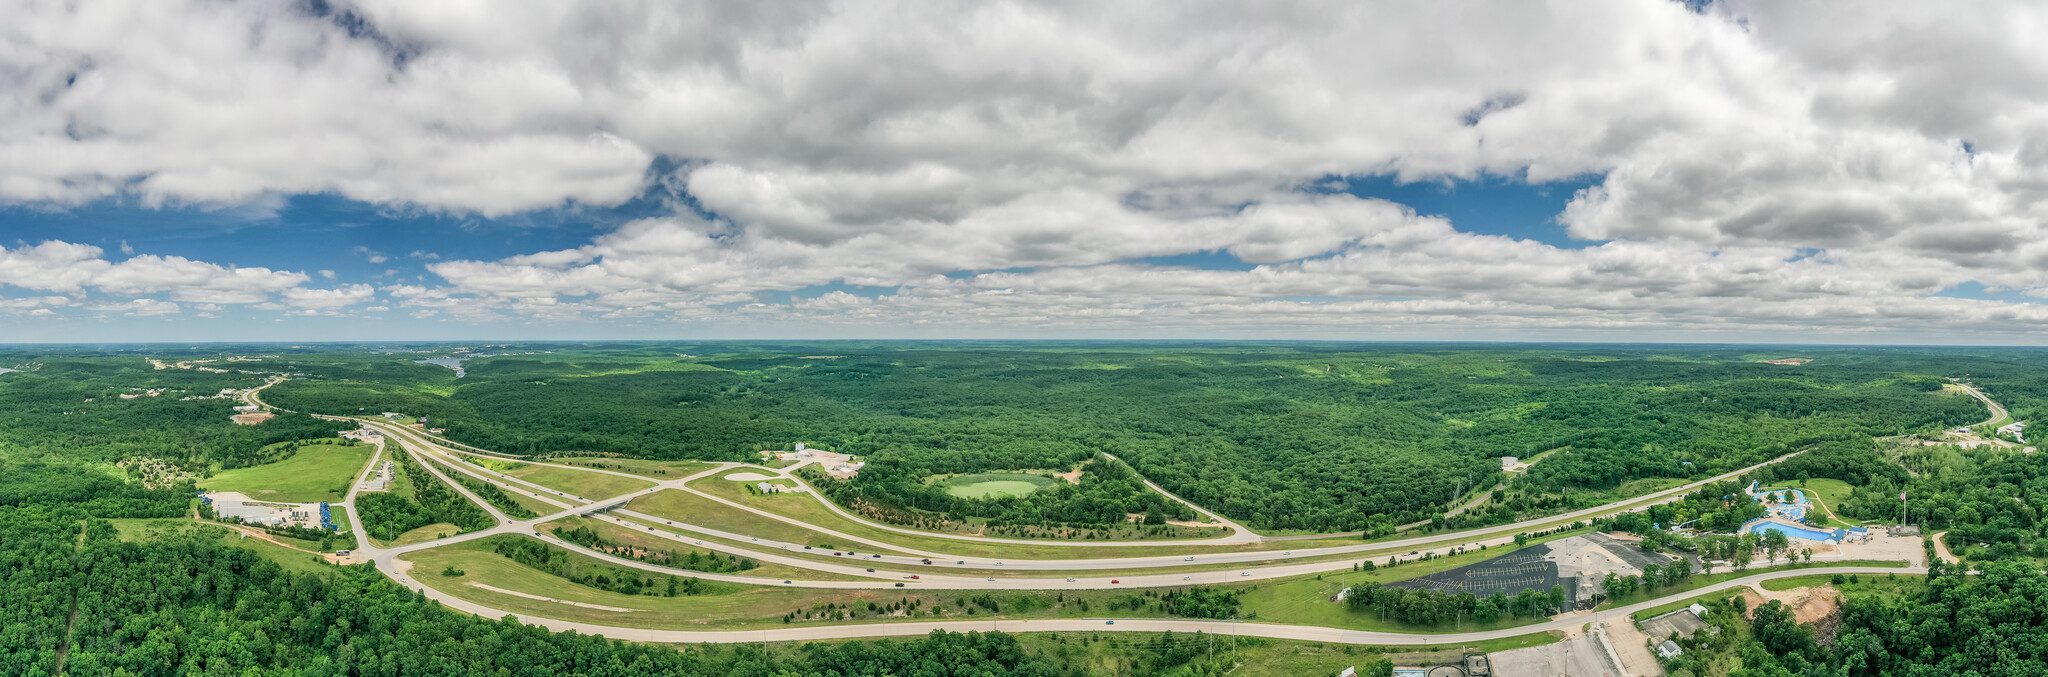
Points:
[(1288, 436), (1282, 436), (190, 606), (1945, 624), (71, 409)]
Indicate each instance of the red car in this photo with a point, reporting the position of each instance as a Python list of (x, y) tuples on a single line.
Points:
[(1114, 581), (913, 575)]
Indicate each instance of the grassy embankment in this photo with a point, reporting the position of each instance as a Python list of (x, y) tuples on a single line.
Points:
[(591, 486), (659, 470), (640, 539), (738, 606)]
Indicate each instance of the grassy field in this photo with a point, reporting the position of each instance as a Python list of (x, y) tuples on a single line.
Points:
[(401, 483), (661, 470), (320, 472), (740, 491), (424, 534), (588, 485), (538, 506), (1867, 581), (1831, 492), (987, 485)]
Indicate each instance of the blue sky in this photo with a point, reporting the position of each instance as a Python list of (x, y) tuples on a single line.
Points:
[(1599, 171), (364, 243)]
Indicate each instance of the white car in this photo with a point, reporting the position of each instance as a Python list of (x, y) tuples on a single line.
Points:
[(1189, 558), (1187, 578), (1070, 579), (1244, 573)]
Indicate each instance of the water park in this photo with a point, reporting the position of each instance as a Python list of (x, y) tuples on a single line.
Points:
[(1786, 510)]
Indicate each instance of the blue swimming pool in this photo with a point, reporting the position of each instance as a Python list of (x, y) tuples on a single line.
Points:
[(1761, 526)]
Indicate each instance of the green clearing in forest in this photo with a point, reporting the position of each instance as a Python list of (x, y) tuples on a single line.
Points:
[(319, 472), (993, 484)]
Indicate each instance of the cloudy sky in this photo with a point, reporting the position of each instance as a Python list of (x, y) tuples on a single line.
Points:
[(1571, 170)]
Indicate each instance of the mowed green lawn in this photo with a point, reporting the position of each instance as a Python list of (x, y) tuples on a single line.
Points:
[(320, 472), (424, 534), (741, 491), (588, 485), (1832, 492), (989, 485)]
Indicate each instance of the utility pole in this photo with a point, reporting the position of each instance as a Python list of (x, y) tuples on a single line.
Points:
[(1233, 638)]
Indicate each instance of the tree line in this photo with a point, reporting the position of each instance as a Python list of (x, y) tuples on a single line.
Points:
[(1390, 435)]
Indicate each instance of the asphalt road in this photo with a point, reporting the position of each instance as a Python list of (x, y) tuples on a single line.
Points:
[(1997, 410), (1108, 624), (1207, 562), (387, 560)]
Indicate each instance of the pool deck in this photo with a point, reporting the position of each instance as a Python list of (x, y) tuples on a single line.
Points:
[(1800, 531)]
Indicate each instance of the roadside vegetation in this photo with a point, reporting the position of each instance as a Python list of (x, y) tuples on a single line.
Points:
[(388, 516)]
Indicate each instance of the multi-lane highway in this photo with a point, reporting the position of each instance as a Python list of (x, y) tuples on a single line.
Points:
[(1172, 566)]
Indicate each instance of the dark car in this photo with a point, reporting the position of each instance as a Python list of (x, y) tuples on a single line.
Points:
[(899, 585), (871, 570)]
